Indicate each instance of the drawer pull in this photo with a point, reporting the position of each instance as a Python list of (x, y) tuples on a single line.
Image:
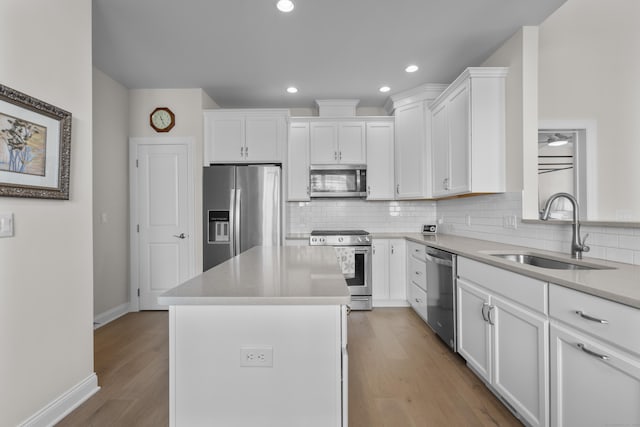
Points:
[(418, 273), (591, 352), (593, 319), (417, 300)]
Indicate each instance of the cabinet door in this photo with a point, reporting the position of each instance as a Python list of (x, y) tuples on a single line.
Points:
[(474, 332), (409, 151), (520, 359), (397, 270), (324, 143), (380, 270), (440, 150), (379, 136), (264, 136), (587, 390), (351, 143), (459, 141), (224, 138), (298, 162)]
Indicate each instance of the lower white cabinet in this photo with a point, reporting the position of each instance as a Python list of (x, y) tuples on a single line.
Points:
[(417, 278), (595, 361), (503, 339), (388, 273)]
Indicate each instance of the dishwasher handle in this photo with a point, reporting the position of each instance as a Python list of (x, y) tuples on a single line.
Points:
[(431, 257)]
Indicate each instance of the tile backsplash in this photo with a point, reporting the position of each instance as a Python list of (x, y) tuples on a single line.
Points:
[(372, 216), (487, 217)]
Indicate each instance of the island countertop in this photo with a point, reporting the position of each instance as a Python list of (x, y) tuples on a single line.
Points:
[(267, 275)]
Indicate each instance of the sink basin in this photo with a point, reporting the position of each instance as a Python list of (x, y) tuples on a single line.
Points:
[(543, 262)]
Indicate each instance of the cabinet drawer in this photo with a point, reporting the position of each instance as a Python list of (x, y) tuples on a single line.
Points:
[(418, 300), (524, 290), (416, 250), (622, 322), (418, 272)]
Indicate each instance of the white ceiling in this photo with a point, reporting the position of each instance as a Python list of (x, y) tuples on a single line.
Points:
[(245, 53)]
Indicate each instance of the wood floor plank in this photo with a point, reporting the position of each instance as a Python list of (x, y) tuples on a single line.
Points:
[(401, 375)]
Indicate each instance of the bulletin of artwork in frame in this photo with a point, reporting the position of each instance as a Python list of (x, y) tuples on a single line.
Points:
[(35, 147)]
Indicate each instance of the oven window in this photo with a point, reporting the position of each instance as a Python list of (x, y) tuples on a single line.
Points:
[(358, 279)]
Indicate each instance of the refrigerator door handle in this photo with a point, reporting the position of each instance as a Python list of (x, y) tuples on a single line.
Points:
[(232, 218), (236, 222)]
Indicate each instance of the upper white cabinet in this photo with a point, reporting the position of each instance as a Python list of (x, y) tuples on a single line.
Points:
[(298, 161), (410, 152), (503, 334), (413, 141), (468, 134), (380, 137), (338, 142), (595, 360), (244, 136)]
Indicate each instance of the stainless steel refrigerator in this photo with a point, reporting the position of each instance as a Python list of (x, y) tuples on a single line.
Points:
[(242, 209)]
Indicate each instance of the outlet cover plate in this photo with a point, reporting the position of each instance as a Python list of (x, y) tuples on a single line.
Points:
[(6, 224), (256, 356)]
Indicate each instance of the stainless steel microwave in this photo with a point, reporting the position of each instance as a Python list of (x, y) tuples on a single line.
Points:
[(338, 181)]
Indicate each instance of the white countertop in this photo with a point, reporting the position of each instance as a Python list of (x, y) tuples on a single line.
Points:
[(266, 275), (620, 283)]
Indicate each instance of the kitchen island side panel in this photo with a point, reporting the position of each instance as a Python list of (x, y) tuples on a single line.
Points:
[(209, 387)]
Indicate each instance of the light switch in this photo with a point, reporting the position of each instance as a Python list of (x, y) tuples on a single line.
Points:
[(6, 224), (104, 218)]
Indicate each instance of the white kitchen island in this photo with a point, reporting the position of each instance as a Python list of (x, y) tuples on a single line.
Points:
[(260, 340)]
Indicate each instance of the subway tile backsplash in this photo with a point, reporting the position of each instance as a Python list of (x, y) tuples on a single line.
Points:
[(481, 217), (484, 217), (372, 216)]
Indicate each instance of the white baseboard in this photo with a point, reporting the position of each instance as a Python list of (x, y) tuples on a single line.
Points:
[(110, 315), (64, 404)]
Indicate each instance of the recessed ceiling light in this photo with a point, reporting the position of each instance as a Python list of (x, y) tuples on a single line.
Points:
[(384, 89), (285, 6), (411, 68), (292, 89)]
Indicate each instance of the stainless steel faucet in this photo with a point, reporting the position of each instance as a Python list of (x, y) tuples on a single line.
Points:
[(577, 245)]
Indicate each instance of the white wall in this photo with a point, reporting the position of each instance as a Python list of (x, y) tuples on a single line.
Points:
[(589, 68), (110, 197), (187, 105), (46, 269), (519, 53)]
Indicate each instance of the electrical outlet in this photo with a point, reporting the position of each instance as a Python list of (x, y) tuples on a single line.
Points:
[(467, 219), (257, 356), (510, 221), (6, 224)]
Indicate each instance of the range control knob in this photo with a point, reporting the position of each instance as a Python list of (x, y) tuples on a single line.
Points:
[(340, 239)]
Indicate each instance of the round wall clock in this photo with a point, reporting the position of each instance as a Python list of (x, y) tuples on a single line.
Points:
[(162, 119)]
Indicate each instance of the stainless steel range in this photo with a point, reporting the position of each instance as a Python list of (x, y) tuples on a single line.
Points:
[(359, 243)]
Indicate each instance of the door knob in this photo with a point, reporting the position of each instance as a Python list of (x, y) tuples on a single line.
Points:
[(180, 236)]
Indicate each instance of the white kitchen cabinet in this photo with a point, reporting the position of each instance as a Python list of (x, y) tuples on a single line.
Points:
[(417, 278), (595, 360), (410, 151), (503, 332), (388, 273), (468, 134), (298, 162), (337, 142), (380, 147), (244, 136)]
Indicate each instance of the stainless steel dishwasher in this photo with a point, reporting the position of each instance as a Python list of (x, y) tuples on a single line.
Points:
[(441, 294)]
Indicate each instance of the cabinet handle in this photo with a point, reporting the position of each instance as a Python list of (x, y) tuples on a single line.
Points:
[(417, 300), (392, 250), (491, 322), (246, 152), (340, 155), (593, 319), (335, 155), (397, 188), (241, 151), (308, 192), (418, 273), (485, 305), (417, 251), (368, 190), (591, 352)]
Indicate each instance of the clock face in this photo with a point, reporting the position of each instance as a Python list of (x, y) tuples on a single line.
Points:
[(162, 119)]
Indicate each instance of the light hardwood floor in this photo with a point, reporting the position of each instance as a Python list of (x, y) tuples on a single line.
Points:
[(400, 375)]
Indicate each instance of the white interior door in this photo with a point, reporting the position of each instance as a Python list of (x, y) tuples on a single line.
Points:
[(163, 214)]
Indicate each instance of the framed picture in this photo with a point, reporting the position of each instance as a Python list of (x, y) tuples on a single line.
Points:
[(35, 147)]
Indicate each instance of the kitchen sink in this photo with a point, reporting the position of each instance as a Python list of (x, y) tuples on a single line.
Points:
[(544, 262)]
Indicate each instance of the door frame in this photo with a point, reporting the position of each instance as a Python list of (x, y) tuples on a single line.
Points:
[(134, 270)]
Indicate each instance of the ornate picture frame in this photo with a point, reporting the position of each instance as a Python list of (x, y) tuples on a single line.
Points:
[(35, 147)]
